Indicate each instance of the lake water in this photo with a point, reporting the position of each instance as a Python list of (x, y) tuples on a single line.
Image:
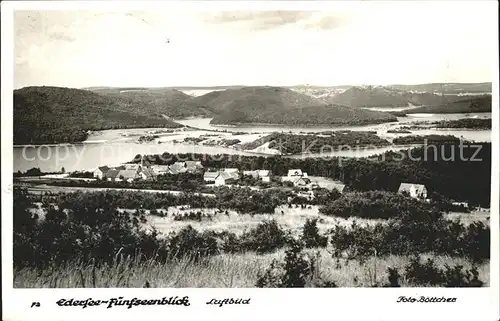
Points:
[(110, 147)]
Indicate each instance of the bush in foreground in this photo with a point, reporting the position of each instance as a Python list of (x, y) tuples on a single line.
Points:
[(428, 274)]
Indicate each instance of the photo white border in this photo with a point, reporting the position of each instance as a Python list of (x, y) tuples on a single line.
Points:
[(266, 304)]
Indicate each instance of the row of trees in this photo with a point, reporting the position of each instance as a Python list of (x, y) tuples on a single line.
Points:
[(328, 141)]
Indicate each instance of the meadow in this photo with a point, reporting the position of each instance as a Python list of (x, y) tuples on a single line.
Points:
[(225, 271), (87, 241)]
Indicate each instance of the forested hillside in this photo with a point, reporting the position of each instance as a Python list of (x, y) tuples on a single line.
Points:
[(45, 115)]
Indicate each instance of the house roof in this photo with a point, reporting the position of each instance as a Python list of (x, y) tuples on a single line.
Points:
[(225, 175), (160, 168), (127, 173), (405, 187), (210, 175), (177, 168), (103, 169), (302, 180), (338, 187), (231, 170), (296, 179), (112, 173), (294, 172), (148, 172), (194, 164)]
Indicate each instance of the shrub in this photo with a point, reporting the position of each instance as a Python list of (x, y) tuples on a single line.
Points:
[(393, 276), (189, 242), (311, 236), (375, 204), (82, 231), (357, 241), (413, 232), (266, 237), (426, 274), (296, 270), (429, 274)]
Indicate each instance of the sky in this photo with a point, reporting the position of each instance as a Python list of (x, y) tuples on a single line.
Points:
[(373, 43)]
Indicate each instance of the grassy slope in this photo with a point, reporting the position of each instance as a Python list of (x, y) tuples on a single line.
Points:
[(275, 105), (222, 271), (55, 114)]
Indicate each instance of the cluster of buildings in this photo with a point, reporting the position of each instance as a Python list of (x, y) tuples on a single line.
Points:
[(133, 172), (225, 176)]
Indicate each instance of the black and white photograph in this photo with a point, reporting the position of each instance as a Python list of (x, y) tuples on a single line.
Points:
[(198, 147)]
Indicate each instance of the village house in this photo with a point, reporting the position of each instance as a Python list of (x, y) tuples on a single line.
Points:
[(132, 167), (185, 167), (194, 166), (297, 177), (223, 178), (233, 172), (209, 177), (414, 190), (263, 175), (147, 174), (160, 169), (126, 172), (127, 175), (218, 178), (101, 171)]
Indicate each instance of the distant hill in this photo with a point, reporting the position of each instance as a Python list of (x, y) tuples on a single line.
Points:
[(44, 115), (474, 104), (162, 101), (389, 97), (447, 88), (271, 97), (370, 97), (276, 105)]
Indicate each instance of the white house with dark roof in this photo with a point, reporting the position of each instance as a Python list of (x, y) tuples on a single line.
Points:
[(101, 171), (414, 190), (219, 178), (297, 177)]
